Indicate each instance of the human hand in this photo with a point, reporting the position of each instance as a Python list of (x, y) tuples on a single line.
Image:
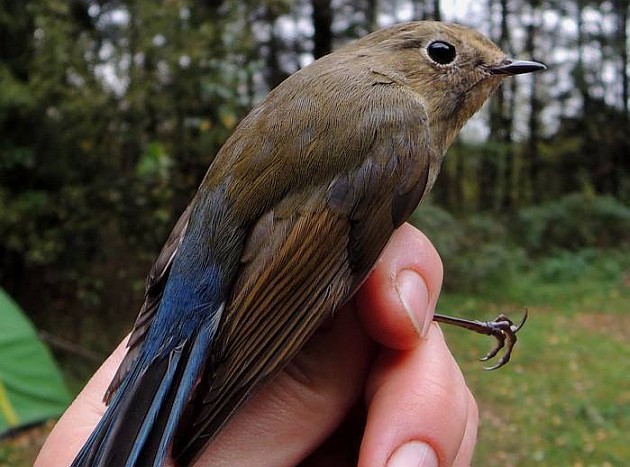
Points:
[(375, 374)]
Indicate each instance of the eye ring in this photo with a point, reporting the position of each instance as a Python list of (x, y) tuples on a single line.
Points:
[(441, 52)]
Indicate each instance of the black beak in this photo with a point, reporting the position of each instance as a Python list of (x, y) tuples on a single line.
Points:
[(516, 67)]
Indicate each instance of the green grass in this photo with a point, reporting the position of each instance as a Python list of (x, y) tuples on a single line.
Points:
[(564, 400)]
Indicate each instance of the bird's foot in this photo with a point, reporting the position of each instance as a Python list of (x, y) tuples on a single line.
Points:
[(501, 328)]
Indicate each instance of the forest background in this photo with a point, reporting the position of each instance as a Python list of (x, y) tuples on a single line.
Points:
[(111, 111)]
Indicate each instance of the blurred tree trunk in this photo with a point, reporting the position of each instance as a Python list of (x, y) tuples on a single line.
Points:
[(16, 38), (132, 139), (427, 10), (322, 24), (588, 153), (507, 121), (16, 55), (621, 7), (419, 9), (535, 107), (580, 72), (437, 15), (497, 165), (487, 176), (623, 159), (273, 72), (371, 15)]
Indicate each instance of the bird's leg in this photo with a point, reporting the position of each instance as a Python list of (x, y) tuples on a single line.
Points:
[(501, 328)]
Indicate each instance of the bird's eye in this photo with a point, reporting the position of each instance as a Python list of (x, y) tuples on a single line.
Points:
[(441, 52)]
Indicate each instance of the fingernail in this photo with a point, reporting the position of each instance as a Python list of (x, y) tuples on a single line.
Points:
[(413, 454), (414, 295)]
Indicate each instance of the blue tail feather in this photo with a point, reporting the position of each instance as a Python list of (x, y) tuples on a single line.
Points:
[(156, 405), (140, 422)]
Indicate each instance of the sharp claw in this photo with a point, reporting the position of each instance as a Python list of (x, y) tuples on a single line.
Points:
[(505, 357), (503, 328), (492, 352), (498, 365), (500, 337), (523, 319)]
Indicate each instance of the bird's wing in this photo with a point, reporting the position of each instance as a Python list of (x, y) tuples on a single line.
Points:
[(298, 267), (154, 288)]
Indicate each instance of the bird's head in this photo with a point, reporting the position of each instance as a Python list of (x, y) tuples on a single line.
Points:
[(453, 69)]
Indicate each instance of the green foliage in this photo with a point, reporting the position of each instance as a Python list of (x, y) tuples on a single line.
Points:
[(482, 252), (574, 221), (477, 251), (565, 266), (154, 163), (107, 127)]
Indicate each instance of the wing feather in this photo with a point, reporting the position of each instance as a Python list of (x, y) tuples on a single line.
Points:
[(154, 288), (277, 304)]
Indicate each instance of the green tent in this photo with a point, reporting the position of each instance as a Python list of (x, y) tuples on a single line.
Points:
[(31, 387)]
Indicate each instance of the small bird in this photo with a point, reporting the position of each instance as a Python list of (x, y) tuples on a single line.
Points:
[(287, 223)]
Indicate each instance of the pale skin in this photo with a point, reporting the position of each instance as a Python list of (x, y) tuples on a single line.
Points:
[(392, 362)]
